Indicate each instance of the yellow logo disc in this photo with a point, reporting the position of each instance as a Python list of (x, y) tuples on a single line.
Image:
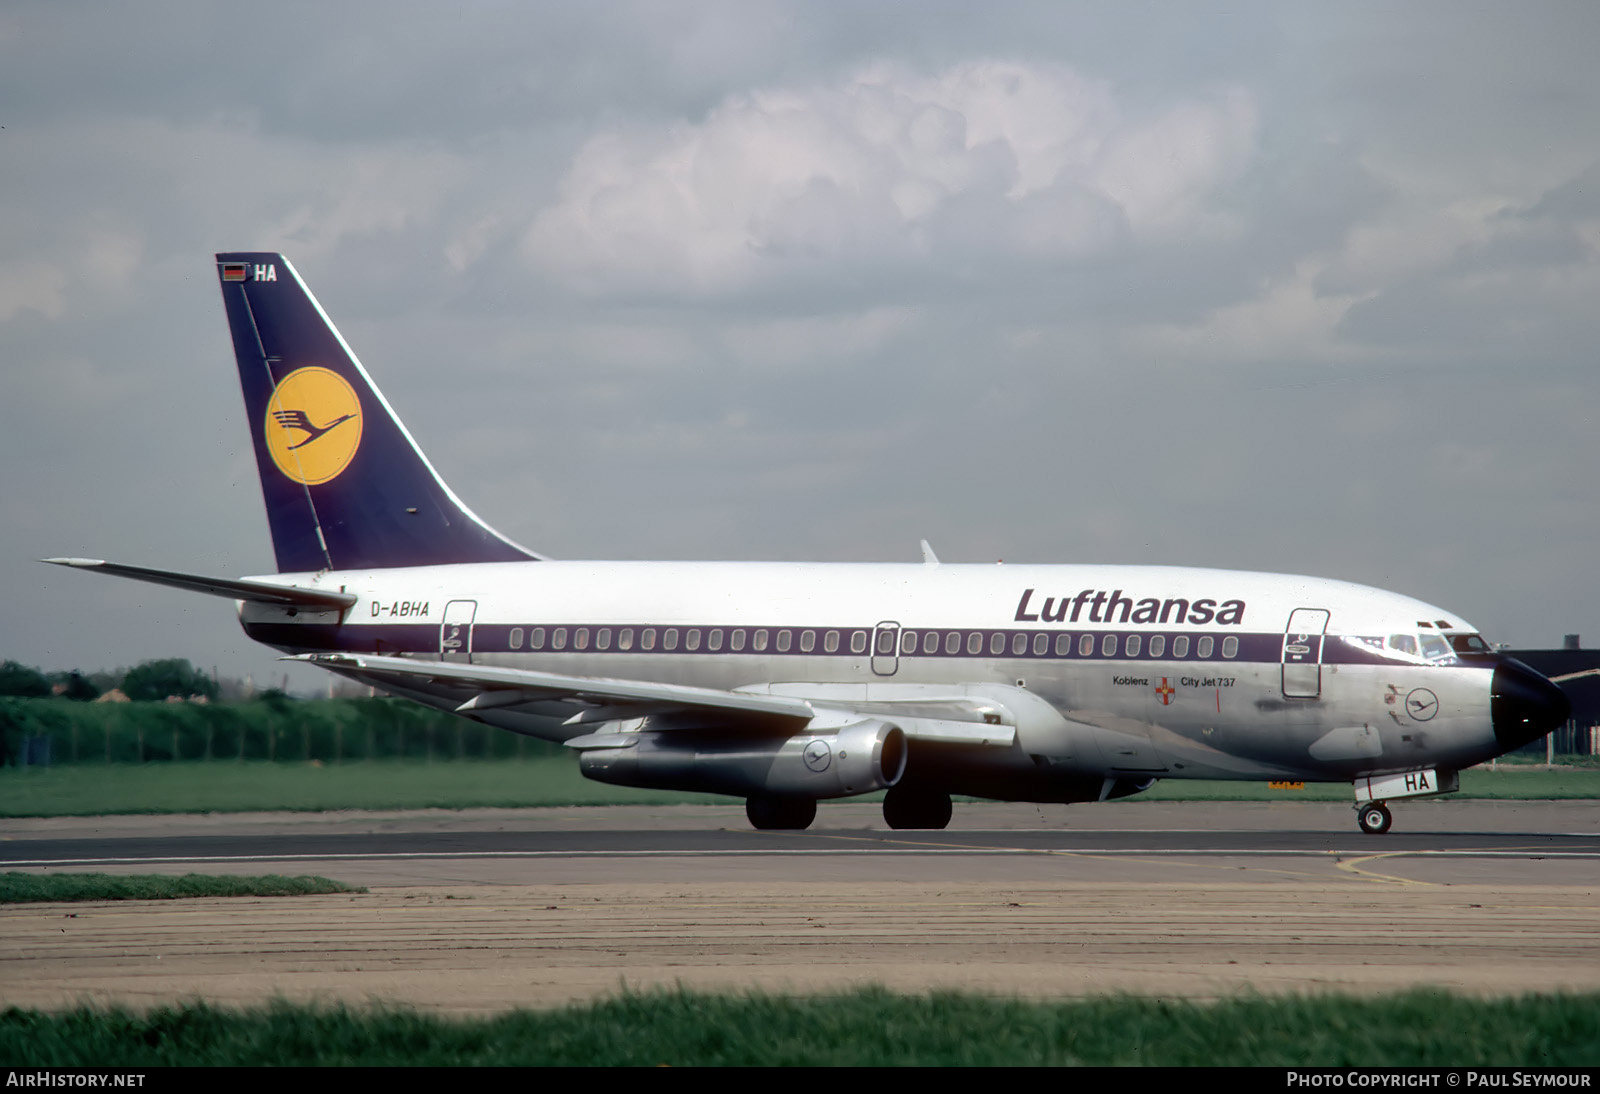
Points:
[(313, 425)]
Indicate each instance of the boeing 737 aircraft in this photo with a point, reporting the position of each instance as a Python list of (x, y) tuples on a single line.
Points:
[(786, 683)]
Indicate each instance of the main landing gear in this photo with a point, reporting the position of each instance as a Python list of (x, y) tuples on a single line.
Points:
[(771, 812), (1374, 818), (905, 807)]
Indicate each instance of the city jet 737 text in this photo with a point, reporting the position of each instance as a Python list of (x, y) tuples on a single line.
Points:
[(787, 683)]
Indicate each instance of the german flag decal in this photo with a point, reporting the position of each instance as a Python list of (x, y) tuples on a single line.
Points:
[(235, 271)]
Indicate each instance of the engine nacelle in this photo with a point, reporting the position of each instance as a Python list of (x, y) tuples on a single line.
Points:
[(853, 759)]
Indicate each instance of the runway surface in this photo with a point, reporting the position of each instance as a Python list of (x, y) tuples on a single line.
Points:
[(484, 909)]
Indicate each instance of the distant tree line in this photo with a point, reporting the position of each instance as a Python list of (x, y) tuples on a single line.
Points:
[(273, 727), (172, 677)]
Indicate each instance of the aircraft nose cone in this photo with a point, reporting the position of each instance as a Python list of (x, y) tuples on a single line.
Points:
[(1524, 705)]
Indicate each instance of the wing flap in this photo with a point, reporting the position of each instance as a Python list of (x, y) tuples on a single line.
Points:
[(945, 731)]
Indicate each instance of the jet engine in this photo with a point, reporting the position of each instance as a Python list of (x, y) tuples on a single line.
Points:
[(853, 759)]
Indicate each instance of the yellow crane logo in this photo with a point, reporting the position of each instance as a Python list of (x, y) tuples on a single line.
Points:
[(313, 425)]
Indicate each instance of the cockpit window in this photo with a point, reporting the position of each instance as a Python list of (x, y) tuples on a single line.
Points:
[(1469, 643), (1434, 648), (1404, 643)]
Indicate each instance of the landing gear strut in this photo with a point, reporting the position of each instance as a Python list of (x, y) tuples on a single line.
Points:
[(768, 812), (904, 807), (1374, 818)]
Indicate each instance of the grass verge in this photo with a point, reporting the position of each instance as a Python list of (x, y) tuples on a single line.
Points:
[(229, 787), (19, 888), (868, 1027)]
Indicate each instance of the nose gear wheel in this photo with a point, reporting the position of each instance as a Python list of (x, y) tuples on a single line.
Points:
[(1374, 818)]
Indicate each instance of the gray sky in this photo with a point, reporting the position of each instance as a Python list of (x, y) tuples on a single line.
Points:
[(1311, 288)]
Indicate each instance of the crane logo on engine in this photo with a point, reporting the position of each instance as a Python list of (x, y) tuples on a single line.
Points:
[(818, 755)]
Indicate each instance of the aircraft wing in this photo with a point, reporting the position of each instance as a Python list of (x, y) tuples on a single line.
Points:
[(262, 592), (593, 700)]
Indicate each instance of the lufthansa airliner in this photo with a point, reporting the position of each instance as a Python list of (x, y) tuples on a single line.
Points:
[(787, 683)]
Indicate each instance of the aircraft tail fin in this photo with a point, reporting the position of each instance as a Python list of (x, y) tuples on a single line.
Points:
[(346, 487)]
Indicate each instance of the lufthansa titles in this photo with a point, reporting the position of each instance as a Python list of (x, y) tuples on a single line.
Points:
[(1099, 606)]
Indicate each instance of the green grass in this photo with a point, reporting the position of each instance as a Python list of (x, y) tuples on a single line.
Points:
[(19, 888), (867, 1027), (231, 787)]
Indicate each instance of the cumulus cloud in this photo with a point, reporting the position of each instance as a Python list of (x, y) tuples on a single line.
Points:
[(983, 158), (1289, 318)]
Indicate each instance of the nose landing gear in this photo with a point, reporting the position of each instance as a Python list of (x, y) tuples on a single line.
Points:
[(1373, 791), (1374, 818)]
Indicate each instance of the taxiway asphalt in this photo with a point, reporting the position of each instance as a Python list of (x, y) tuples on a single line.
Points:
[(485, 909)]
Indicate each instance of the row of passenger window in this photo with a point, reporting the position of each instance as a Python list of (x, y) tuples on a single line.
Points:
[(737, 639), (909, 642), (1039, 644)]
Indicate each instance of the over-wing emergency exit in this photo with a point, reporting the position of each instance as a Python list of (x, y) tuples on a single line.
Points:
[(788, 683)]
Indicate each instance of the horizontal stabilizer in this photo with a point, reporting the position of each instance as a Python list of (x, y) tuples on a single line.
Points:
[(288, 596)]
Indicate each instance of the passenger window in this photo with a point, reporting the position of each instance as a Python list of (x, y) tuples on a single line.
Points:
[(516, 638), (625, 638), (602, 639), (691, 641), (1202, 649), (714, 640), (536, 639), (783, 641), (808, 641), (885, 643), (1158, 645), (647, 638), (761, 639), (1019, 644), (930, 641), (975, 642), (1108, 646), (1041, 644), (670, 638), (558, 640), (1063, 645), (952, 642), (580, 638), (1086, 646), (997, 643), (1180, 646), (1230, 647), (1131, 646), (830, 642), (908, 641), (858, 641), (736, 640)]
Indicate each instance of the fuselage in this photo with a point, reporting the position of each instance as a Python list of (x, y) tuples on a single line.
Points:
[(1135, 671)]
